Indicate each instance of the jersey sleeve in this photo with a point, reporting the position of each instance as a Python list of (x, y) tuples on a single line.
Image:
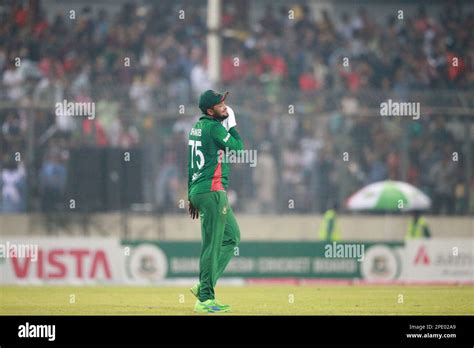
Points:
[(226, 139)]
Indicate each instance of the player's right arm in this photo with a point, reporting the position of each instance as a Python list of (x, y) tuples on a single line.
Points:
[(226, 139)]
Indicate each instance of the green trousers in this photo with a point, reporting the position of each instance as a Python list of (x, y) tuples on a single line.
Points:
[(220, 235)]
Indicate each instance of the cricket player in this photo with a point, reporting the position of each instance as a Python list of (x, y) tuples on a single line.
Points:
[(208, 175)]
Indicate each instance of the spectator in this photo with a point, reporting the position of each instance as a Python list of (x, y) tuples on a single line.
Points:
[(13, 188), (168, 184), (14, 82), (128, 136), (52, 182), (265, 180), (199, 76), (292, 173), (443, 178), (377, 170)]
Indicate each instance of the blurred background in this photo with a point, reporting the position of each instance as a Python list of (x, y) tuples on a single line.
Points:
[(315, 122)]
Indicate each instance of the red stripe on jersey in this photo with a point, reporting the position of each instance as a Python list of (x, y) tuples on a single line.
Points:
[(216, 179)]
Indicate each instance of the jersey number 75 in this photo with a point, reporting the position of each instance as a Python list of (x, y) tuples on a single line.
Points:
[(195, 152)]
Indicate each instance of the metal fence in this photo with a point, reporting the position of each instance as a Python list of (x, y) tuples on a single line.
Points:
[(313, 149)]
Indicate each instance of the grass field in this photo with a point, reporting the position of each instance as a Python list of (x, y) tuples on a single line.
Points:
[(247, 300)]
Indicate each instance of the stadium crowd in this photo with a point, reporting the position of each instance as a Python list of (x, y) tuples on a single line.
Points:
[(142, 62)]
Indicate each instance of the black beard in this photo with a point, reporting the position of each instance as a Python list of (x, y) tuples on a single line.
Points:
[(221, 117)]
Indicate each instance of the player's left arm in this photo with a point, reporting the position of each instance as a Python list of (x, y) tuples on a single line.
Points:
[(226, 139)]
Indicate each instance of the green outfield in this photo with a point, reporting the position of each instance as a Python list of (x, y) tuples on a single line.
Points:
[(245, 300)]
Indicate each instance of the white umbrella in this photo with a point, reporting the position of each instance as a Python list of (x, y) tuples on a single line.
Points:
[(389, 196)]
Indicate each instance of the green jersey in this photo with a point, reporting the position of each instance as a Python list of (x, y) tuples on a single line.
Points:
[(208, 140)]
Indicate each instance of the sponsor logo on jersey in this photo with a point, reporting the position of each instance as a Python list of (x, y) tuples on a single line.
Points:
[(195, 176)]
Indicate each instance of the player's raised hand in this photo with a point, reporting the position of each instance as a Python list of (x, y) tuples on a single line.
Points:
[(193, 212), (230, 121)]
